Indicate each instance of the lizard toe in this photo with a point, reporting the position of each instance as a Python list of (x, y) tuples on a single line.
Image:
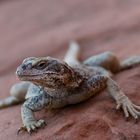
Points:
[(40, 123), (128, 107), (125, 111), (136, 106), (23, 128), (132, 112), (33, 126)]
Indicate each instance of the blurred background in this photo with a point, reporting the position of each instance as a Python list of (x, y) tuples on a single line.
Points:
[(45, 27)]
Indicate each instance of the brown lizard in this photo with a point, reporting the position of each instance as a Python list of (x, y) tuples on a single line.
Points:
[(53, 83)]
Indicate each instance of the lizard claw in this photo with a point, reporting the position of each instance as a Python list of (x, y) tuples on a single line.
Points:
[(32, 126), (21, 129), (118, 106)]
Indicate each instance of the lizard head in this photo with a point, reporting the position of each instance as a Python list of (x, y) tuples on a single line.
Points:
[(47, 72)]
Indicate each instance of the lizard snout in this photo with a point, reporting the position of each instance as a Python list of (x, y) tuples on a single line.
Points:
[(19, 71)]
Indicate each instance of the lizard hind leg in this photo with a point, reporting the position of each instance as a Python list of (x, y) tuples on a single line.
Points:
[(17, 95), (73, 53), (107, 60)]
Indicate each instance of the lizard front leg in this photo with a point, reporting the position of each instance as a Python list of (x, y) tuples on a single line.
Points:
[(98, 82), (27, 112)]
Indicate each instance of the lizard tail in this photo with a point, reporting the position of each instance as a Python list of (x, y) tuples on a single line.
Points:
[(73, 53), (130, 63)]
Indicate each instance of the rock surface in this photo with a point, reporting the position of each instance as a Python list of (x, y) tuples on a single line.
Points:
[(44, 27)]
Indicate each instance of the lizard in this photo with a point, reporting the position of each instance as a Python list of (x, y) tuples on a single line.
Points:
[(48, 82)]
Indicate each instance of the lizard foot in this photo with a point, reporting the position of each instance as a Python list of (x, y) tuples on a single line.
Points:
[(32, 126), (128, 107)]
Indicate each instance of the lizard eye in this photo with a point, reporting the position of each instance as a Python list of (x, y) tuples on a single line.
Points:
[(41, 65)]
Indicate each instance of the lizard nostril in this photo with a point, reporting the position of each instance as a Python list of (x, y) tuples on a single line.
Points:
[(17, 71)]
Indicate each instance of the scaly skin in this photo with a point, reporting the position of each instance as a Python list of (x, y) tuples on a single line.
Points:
[(54, 83)]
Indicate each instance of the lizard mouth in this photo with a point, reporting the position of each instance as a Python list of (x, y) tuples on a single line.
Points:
[(34, 76)]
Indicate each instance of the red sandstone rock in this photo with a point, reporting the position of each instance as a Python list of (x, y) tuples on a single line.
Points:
[(44, 27)]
